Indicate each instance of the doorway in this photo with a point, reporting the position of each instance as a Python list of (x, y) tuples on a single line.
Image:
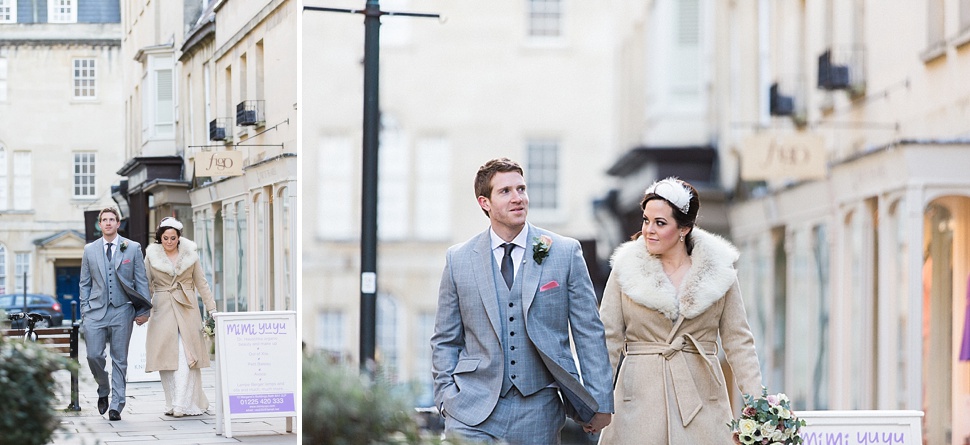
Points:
[(68, 288)]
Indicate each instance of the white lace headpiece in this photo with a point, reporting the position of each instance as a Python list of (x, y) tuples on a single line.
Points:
[(673, 190), (168, 221)]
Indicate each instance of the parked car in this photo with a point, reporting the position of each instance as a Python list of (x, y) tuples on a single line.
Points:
[(40, 303)]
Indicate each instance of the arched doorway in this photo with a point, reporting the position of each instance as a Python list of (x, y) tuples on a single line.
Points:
[(946, 267)]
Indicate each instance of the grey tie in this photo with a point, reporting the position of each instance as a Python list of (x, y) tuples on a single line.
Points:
[(507, 269), (109, 252)]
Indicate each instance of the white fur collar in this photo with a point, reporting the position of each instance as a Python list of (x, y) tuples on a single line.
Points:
[(641, 276), (188, 255)]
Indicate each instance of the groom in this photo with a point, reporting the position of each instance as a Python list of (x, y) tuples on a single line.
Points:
[(508, 300), (114, 293)]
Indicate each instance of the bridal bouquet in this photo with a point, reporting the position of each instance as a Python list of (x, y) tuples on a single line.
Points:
[(209, 327), (767, 420)]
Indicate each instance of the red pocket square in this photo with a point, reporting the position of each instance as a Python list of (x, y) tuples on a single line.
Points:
[(125, 261), (550, 285)]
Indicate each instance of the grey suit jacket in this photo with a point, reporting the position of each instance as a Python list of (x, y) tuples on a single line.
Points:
[(557, 298), (129, 268)]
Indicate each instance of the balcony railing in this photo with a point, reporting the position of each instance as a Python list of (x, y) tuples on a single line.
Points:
[(786, 98), (250, 113), (842, 69), (218, 129)]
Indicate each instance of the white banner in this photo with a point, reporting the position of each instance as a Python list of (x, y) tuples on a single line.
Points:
[(138, 355)]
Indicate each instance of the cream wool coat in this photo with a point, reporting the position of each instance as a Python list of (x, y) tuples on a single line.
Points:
[(176, 308), (667, 391)]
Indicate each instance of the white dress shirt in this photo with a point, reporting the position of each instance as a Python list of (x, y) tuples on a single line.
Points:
[(520, 241)]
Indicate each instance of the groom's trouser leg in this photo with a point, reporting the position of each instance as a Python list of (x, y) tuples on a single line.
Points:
[(95, 339), (119, 338), (518, 420)]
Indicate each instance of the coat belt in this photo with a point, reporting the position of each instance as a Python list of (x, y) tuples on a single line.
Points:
[(688, 399), (179, 297)]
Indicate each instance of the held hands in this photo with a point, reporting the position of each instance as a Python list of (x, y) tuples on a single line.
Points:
[(140, 320), (598, 422)]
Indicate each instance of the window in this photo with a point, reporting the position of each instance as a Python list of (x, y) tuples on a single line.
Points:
[(545, 18), (394, 171), (809, 274), (335, 220), (432, 208), (8, 11), (21, 270), (84, 79), (61, 11), (934, 23), (330, 333), (3, 270), (3, 78), (422, 363), (387, 336), (261, 212), (158, 99), (286, 248), (4, 203), (542, 174), (964, 15), (84, 186), (234, 244), (21, 180)]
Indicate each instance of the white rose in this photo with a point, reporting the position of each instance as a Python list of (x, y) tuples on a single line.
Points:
[(767, 429), (784, 413), (747, 426), (777, 436)]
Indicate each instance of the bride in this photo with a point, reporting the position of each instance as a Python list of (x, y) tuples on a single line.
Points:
[(175, 345)]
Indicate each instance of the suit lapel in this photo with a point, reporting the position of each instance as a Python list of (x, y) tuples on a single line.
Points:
[(99, 254), (116, 257), (485, 282), (531, 271)]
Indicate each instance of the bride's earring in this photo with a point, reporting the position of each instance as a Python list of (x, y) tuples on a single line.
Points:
[(681, 237)]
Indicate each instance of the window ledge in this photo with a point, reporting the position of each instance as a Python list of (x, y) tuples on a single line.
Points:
[(962, 38), (935, 51)]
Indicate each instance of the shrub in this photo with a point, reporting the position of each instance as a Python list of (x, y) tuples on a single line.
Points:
[(26, 414), (341, 407)]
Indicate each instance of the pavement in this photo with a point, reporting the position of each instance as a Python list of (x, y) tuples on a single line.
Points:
[(143, 422)]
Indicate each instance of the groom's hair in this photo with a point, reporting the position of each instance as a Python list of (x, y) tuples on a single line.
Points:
[(109, 210), (483, 180)]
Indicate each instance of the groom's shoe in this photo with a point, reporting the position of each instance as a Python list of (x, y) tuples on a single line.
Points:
[(102, 404), (114, 415)]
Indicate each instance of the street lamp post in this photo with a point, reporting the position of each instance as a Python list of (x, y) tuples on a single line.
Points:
[(368, 235)]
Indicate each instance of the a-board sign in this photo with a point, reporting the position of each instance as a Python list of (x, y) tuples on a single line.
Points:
[(891, 427), (256, 365), (138, 356)]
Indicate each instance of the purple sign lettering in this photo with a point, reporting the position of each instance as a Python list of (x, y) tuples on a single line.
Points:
[(261, 403)]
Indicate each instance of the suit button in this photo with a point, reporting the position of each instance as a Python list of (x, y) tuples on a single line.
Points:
[(511, 304), (512, 347), (511, 318), (512, 333), (513, 362), (513, 376)]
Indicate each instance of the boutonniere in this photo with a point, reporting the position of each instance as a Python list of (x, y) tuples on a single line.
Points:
[(540, 248), (124, 245)]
